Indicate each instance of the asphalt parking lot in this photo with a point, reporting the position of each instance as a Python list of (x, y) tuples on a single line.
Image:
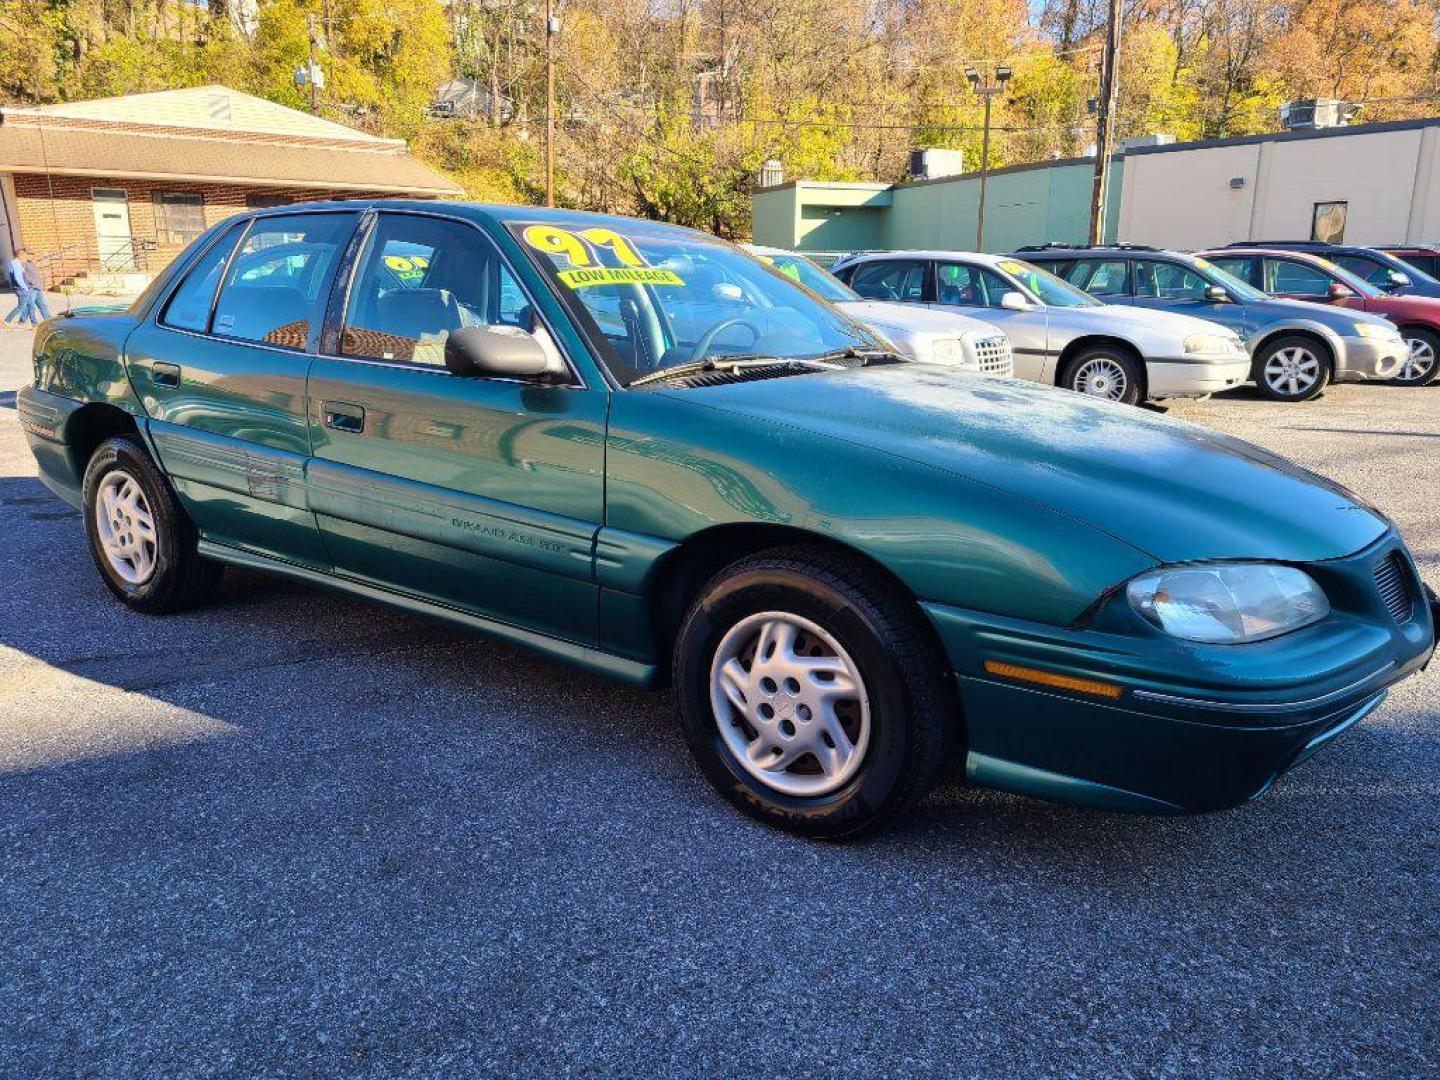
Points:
[(292, 834)]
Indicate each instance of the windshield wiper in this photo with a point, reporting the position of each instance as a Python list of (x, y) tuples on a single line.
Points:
[(865, 356), (730, 363)]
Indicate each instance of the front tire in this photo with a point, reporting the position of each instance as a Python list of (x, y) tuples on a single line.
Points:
[(1292, 368), (1107, 373), (1422, 366), (143, 543), (812, 694)]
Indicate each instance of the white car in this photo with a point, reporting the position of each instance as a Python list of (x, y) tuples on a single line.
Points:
[(1062, 336), (937, 337)]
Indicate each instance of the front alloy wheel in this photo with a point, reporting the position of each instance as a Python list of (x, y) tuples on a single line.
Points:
[(813, 694), (1422, 366), (1106, 374), (1292, 368)]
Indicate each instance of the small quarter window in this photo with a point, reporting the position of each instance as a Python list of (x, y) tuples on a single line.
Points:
[(277, 279), (189, 305)]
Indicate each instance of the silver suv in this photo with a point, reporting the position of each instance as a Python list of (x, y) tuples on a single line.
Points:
[(1059, 334)]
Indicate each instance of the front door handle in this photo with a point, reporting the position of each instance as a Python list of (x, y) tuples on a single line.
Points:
[(165, 374), (342, 416)]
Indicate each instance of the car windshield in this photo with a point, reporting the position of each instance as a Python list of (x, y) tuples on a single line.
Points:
[(656, 299), (1239, 290), (800, 269), (1350, 279), (1045, 286)]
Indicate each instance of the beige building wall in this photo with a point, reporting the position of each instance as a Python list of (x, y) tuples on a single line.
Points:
[(1184, 198)]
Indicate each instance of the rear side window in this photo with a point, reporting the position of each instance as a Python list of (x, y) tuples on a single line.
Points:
[(419, 280), (1107, 277), (1241, 267), (277, 281), (901, 279), (189, 305)]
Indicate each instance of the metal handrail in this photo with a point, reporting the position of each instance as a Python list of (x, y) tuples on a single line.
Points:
[(130, 253)]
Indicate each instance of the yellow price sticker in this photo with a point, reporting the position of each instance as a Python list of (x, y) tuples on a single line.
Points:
[(618, 275)]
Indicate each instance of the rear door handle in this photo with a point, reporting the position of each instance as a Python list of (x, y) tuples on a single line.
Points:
[(342, 416), (165, 374)]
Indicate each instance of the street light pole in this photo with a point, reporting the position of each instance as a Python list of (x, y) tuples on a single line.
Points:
[(552, 27), (314, 66), (987, 90)]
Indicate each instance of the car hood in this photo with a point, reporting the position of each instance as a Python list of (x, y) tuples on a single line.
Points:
[(1173, 490), (879, 313)]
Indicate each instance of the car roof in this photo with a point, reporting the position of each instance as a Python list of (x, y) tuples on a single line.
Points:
[(872, 256), (1315, 257), (500, 213)]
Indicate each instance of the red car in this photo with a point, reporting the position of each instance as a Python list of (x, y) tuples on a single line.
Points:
[(1424, 257), (1299, 275)]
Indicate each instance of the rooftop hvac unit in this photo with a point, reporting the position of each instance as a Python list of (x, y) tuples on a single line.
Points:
[(1308, 114), (1159, 138), (772, 173), (934, 162)]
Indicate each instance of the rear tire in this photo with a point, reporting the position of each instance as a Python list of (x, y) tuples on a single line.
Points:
[(1107, 373), (812, 693), (1293, 367), (1422, 366), (142, 541)]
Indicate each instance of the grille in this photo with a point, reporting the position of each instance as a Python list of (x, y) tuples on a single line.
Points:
[(1394, 589), (993, 355)]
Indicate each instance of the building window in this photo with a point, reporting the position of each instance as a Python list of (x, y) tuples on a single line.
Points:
[(179, 216), (265, 202), (1328, 223)]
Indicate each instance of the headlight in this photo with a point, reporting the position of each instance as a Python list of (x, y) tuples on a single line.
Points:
[(1210, 344), (1228, 603), (947, 351), (1376, 330)]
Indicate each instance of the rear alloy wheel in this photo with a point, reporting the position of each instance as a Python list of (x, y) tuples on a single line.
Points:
[(813, 694), (1422, 366), (1292, 368), (142, 541), (1105, 373)]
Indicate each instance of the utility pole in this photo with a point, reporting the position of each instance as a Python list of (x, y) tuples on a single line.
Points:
[(552, 27), (314, 66), (1105, 122), (987, 90)]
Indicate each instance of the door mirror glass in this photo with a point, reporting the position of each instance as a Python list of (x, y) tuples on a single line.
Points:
[(1216, 294), (1399, 278), (1339, 290), (1014, 301), (496, 352)]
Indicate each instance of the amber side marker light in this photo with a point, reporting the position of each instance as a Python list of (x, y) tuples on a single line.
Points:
[(1051, 678)]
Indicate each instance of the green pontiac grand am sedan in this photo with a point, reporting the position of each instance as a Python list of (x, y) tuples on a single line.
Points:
[(634, 447)]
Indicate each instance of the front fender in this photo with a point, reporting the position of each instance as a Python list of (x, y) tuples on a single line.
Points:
[(1313, 327), (674, 470)]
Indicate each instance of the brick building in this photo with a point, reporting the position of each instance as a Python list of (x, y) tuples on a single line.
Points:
[(118, 186)]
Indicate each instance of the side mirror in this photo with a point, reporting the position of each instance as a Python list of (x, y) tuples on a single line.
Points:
[(1398, 279), (1216, 294), (503, 352), (1014, 301), (1339, 290)]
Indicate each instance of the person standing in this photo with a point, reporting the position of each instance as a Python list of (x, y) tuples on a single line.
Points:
[(29, 286)]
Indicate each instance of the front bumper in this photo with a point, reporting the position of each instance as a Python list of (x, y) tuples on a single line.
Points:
[(1369, 359), (1195, 378), (1193, 728)]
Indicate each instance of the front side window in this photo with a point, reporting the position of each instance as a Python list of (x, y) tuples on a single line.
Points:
[(654, 297), (277, 280), (179, 216), (419, 280), (963, 285), (890, 279), (1045, 286), (1297, 279), (1157, 280), (1373, 271), (189, 306)]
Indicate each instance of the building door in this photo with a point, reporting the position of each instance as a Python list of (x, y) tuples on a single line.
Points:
[(113, 244)]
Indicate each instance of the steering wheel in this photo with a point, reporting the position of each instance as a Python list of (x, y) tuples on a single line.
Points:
[(708, 338)]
